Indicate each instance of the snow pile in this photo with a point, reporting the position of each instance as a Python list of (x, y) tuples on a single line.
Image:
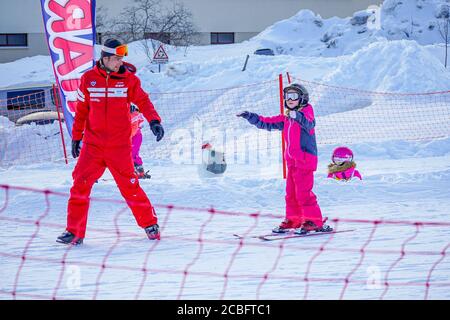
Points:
[(307, 34), (5, 123), (395, 66), (27, 71), (414, 19), (20, 144), (335, 51)]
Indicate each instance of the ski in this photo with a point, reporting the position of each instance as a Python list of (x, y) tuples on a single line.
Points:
[(272, 234), (293, 235), (288, 232), (147, 177)]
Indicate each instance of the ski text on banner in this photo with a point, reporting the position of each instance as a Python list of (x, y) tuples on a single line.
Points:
[(70, 29)]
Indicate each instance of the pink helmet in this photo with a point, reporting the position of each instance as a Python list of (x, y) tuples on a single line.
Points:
[(341, 155)]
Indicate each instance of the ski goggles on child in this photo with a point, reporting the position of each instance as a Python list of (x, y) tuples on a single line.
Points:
[(341, 160), (120, 51), (291, 96)]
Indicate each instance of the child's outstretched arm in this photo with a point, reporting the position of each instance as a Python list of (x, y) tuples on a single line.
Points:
[(266, 123), (304, 122)]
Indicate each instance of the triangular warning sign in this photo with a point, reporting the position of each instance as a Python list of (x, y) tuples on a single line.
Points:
[(160, 54)]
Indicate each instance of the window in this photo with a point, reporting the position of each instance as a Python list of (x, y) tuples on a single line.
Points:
[(222, 37), (98, 38), (13, 40)]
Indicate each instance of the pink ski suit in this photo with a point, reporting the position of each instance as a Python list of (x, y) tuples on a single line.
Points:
[(301, 157), (347, 174), (136, 134)]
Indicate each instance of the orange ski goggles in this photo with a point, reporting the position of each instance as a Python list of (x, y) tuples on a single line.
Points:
[(120, 51)]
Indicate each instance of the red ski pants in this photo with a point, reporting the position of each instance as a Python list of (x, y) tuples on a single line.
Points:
[(90, 167), (301, 202)]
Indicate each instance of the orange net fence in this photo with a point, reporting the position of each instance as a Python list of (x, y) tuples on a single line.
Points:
[(343, 116), (380, 259)]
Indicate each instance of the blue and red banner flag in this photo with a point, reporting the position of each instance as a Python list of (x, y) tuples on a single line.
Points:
[(70, 29)]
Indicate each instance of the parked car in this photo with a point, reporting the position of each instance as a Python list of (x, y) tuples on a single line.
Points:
[(264, 52)]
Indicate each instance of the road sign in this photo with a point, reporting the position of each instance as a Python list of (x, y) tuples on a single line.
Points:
[(160, 55)]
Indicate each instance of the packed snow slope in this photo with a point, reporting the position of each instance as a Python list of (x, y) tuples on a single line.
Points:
[(406, 181)]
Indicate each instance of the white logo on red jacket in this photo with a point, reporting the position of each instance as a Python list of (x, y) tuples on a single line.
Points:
[(112, 92)]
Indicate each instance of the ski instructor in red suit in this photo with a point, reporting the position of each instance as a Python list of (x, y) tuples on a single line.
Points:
[(102, 122)]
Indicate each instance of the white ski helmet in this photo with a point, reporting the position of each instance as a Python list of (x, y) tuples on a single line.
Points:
[(302, 92)]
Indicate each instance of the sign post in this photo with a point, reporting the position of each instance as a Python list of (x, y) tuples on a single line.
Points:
[(160, 57)]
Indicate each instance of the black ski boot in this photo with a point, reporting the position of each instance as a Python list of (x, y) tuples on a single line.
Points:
[(325, 228), (306, 227), (153, 232), (141, 173), (69, 238), (309, 226), (285, 226)]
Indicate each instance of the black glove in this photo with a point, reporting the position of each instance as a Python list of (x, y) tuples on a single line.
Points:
[(251, 117), (157, 129), (76, 148), (245, 115)]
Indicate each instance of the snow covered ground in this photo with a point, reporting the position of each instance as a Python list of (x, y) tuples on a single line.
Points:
[(403, 179)]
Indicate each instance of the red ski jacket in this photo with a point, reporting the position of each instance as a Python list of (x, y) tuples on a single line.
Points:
[(102, 114)]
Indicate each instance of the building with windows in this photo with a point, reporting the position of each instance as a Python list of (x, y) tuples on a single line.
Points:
[(217, 21)]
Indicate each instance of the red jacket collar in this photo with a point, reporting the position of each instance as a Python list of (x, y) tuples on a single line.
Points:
[(125, 70)]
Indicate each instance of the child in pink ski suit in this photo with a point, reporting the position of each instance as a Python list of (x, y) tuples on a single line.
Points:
[(345, 171), (136, 141), (342, 166), (302, 211), (346, 174)]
